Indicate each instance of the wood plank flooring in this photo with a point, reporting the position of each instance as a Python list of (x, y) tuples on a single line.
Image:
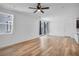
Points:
[(49, 46)]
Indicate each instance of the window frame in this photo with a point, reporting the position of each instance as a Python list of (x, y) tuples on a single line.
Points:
[(11, 21)]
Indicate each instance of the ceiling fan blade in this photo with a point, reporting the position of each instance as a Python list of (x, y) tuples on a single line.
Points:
[(32, 8), (45, 8), (42, 11), (35, 11)]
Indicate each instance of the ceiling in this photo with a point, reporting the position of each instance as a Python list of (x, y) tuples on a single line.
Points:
[(23, 7)]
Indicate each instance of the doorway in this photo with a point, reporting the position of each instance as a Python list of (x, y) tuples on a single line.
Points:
[(43, 27)]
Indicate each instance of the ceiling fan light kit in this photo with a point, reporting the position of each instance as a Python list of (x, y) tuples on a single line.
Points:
[(39, 8)]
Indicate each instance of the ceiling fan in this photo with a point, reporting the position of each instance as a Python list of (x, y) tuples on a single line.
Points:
[(39, 8)]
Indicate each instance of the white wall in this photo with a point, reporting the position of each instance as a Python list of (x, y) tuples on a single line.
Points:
[(25, 27), (63, 20)]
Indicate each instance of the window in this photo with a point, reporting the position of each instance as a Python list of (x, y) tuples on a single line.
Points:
[(6, 23)]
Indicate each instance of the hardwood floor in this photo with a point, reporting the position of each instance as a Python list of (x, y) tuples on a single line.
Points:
[(46, 46)]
